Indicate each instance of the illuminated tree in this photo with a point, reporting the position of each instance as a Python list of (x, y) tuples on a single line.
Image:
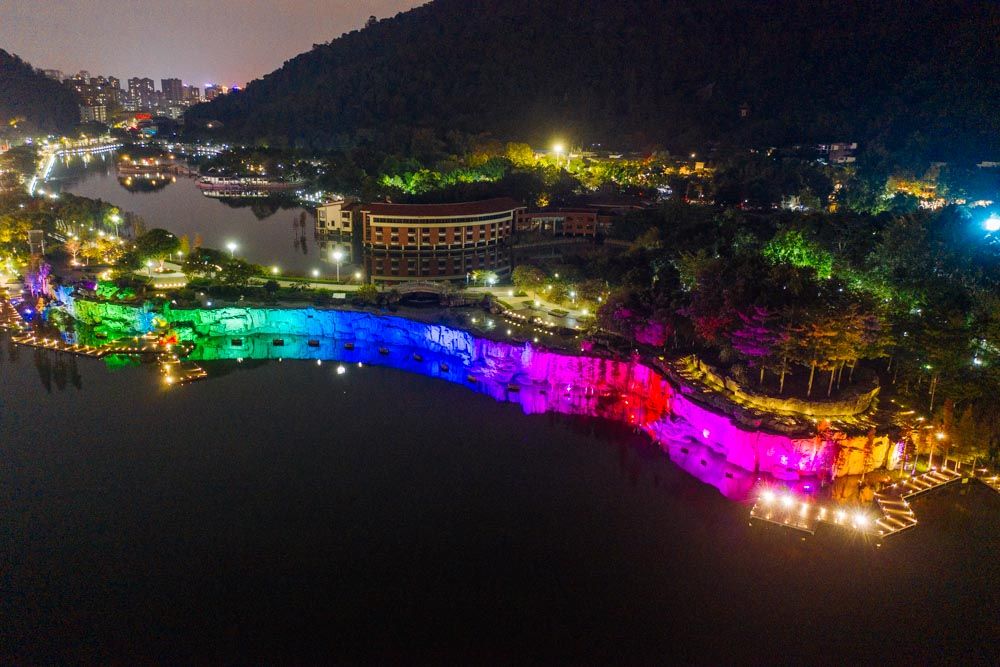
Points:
[(73, 247), (528, 278), (157, 244), (758, 338), (791, 247)]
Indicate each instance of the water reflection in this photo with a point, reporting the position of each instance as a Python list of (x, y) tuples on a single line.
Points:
[(146, 182), (55, 369), (389, 266), (257, 226), (536, 380)]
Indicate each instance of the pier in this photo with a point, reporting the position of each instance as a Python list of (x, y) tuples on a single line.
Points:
[(786, 510)]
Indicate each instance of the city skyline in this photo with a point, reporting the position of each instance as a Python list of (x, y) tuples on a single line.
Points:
[(196, 42)]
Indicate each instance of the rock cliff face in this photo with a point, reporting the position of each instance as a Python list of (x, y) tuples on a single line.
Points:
[(708, 444)]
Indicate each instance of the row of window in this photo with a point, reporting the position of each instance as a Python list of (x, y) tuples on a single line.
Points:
[(420, 222)]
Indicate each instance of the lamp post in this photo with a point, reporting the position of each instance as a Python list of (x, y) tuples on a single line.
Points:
[(338, 257), (231, 247)]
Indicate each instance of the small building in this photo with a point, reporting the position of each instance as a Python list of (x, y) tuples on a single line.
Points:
[(338, 217), (839, 153), (560, 221), (170, 277)]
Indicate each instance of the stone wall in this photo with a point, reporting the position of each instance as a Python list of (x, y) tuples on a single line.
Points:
[(855, 403)]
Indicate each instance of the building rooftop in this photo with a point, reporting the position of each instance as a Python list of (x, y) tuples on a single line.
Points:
[(444, 210)]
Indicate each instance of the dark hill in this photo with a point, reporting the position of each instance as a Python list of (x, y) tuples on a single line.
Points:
[(916, 74), (40, 102)]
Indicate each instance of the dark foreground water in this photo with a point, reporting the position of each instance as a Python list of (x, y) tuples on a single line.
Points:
[(284, 513)]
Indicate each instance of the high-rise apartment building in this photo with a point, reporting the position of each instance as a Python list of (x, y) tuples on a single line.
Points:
[(141, 92), (173, 90)]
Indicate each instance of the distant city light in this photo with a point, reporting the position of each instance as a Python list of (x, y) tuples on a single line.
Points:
[(992, 223)]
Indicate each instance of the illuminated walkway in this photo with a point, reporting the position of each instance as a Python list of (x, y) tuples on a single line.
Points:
[(803, 514)]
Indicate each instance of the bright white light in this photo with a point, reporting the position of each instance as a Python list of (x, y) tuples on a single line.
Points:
[(275, 270), (341, 369), (338, 255), (705, 433), (767, 496), (315, 273), (786, 501), (992, 223), (860, 520)]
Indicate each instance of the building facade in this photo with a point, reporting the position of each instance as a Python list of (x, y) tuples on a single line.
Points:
[(439, 227), (141, 93), (93, 113), (585, 221), (338, 217), (173, 90), (436, 241)]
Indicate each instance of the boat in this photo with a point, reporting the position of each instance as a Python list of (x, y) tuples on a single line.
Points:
[(242, 186)]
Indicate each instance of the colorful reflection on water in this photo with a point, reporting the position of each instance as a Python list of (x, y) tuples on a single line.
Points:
[(705, 443)]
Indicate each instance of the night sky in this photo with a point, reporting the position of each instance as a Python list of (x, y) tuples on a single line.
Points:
[(199, 41)]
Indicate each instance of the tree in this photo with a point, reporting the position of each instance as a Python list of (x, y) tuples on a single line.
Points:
[(814, 344), (238, 272), (520, 155), (158, 244), (792, 247), (758, 338), (528, 278), (367, 294), (73, 247)]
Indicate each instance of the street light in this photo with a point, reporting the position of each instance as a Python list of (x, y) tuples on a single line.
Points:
[(338, 257), (275, 270), (231, 247)]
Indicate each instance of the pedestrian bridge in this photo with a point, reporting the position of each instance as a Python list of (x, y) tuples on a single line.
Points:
[(423, 287)]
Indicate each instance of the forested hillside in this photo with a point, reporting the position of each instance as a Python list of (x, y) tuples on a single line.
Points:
[(917, 75), (33, 100)]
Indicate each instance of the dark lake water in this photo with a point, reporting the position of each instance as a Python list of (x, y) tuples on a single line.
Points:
[(282, 512), (180, 207)]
